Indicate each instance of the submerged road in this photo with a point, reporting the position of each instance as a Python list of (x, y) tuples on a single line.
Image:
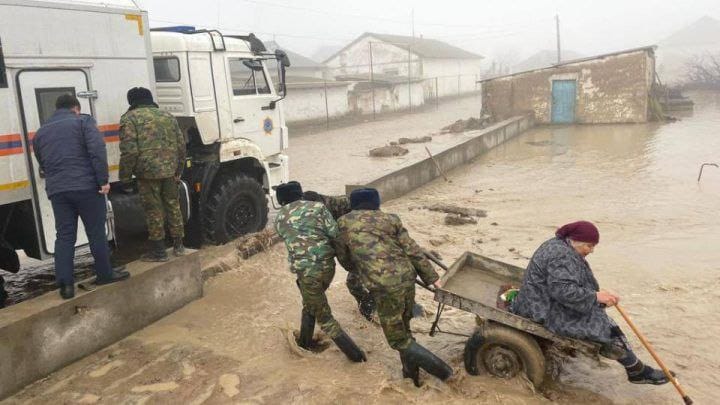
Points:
[(637, 182)]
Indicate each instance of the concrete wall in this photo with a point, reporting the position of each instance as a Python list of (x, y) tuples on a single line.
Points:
[(44, 334), (613, 89), (409, 178), (308, 103), (393, 98)]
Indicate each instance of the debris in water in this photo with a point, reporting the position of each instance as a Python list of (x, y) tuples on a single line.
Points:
[(436, 242), (453, 209), (421, 139), (254, 243), (511, 249), (454, 219), (388, 151), (465, 125), (494, 224)]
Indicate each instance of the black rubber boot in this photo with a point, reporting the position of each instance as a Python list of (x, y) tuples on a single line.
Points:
[(416, 356), (351, 350), (156, 253), (3, 293), (642, 374), (411, 371), (67, 291), (307, 328), (178, 248)]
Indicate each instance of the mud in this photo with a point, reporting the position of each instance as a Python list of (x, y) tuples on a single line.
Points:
[(465, 125), (454, 209), (388, 151), (657, 251), (421, 139), (455, 220)]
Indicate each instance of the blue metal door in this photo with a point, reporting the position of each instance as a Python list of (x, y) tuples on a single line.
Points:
[(563, 101)]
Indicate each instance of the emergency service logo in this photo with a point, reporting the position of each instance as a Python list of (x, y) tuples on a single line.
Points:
[(268, 126)]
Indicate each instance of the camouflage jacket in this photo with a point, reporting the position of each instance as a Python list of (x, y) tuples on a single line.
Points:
[(308, 230), (337, 205), (151, 144), (382, 251)]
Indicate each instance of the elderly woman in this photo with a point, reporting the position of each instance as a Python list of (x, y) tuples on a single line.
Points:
[(560, 292)]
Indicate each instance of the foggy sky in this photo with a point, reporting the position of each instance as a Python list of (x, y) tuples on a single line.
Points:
[(509, 29)]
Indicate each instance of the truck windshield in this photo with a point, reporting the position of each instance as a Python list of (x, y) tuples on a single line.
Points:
[(248, 77)]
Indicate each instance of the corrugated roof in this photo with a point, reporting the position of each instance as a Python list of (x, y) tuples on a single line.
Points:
[(571, 62), (424, 47)]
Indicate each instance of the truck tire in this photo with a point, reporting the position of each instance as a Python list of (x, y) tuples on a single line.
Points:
[(236, 206), (505, 352)]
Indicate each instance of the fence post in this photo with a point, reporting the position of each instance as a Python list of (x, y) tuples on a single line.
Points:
[(372, 82), (437, 94), (327, 110)]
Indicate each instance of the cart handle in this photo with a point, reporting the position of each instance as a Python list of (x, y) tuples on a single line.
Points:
[(435, 260)]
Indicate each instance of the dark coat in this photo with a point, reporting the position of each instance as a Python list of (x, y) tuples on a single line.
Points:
[(71, 152), (558, 291)]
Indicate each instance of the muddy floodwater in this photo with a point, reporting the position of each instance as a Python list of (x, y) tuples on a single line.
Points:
[(658, 251)]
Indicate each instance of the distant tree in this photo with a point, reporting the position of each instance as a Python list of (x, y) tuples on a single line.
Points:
[(704, 71)]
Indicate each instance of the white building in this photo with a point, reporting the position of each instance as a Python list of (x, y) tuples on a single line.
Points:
[(445, 70)]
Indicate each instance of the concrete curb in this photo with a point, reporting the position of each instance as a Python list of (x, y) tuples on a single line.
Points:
[(406, 179), (44, 334)]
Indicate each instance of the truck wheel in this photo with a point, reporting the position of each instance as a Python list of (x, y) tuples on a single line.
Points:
[(505, 352), (236, 206)]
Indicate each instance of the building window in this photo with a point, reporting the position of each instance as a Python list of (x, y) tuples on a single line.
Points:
[(3, 74), (46, 100), (248, 77), (167, 69)]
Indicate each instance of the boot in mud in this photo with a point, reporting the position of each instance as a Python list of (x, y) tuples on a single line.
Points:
[(417, 356), (642, 374), (307, 328), (411, 371), (178, 248), (156, 253), (351, 350)]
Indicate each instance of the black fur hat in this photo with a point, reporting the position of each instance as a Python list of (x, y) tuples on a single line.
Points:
[(365, 199), (288, 192), (139, 95)]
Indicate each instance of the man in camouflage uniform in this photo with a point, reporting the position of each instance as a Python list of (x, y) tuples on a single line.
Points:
[(339, 206), (152, 148), (308, 230), (388, 260)]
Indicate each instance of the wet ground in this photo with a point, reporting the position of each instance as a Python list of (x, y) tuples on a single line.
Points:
[(658, 251)]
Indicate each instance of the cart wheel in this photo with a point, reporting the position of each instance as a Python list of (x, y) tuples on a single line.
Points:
[(505, 352)]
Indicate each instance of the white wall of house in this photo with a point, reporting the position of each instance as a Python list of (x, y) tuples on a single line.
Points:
[(454, 76), (387, 59), (308, 103), (387, 99)]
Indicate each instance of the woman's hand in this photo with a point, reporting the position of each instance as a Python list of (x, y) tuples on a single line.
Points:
[(607, 298)]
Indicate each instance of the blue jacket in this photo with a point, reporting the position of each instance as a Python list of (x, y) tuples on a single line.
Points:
[(71, 152)]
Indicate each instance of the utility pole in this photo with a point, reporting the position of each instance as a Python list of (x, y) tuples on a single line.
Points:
[(557, 34), (372, 84), (409, 67)]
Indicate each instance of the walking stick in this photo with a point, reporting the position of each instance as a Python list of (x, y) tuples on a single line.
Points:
[(654, 355)]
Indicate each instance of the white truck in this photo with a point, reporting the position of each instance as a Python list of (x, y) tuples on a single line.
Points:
[(218, 87)]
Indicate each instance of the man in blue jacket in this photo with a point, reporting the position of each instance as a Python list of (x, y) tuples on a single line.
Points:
[(71, 152)]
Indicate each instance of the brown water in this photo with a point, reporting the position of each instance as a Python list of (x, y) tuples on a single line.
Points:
[(659, 230), (658, 251)]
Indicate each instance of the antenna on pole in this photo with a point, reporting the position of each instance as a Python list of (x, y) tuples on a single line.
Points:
[(557, 34)]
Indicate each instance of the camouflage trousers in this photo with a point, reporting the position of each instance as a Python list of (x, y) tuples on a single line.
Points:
[(160, 203), (313, 283), (354, 285), (395, 310)]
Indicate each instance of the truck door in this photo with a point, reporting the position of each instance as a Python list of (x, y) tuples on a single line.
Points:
[(251, 96), (38, 91)]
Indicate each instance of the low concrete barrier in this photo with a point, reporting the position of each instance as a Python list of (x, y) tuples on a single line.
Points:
[(408, 178), (46, 333)]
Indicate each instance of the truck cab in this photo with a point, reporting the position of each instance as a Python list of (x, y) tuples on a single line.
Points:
[(220, 88)]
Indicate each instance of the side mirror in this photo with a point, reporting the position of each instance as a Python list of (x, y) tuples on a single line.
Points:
[(282, 57)]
